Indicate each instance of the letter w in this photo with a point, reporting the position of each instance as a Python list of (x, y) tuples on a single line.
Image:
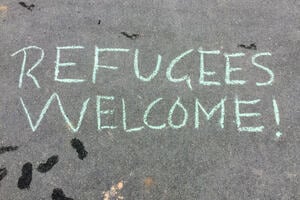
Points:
[(45, 109)]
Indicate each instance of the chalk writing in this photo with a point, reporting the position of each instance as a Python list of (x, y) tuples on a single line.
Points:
[(171, 66), (177, 104), (263, 68), (102, 112), (96, 58), (147, 112), (202, 71), (179, 113), (231, 69), (239, 115), (46, 107), (211, 113), (58, 65), (28, 73), (137, 71)]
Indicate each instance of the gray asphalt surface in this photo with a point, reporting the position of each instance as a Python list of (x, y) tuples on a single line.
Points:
[(208, 163)]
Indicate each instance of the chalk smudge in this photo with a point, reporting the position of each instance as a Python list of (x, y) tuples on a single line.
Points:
[(251, 46), (8, 148), (3, 173), (25, 179), (45, 167), (29, 7), (148, 183), (78, 145), (114, 192), (3, 8), (130, 36), (58, 194)]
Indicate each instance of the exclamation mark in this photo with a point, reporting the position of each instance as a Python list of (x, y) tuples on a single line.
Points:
[(277, 117)]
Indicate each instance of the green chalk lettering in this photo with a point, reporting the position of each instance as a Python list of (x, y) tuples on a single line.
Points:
[(278, 134), (238, 116), (146, 114), (69, 64), (276, 111), (103, 112), (230, 69), (41, 116), (96, 60), (171, 66), (271, 74), (170, 117), (28, 73), (202, 71), (124, 119), (251, 129), (46, 107), (66, 118), (209, 115), (137, 71)]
